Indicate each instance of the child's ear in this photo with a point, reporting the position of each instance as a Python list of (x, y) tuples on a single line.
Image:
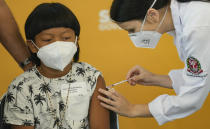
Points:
[(31, 46)]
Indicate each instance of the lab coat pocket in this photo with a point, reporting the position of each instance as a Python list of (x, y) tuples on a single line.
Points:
[(78, 104)]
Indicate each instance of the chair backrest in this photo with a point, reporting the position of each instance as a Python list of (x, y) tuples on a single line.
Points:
[(114, 123), (3, 125)]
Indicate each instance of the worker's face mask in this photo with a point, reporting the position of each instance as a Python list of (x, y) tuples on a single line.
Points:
[(147, 39), (57, 55)]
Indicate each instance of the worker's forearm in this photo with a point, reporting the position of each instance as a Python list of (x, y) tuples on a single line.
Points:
[(140, 110), (10, 36), (162, 81)]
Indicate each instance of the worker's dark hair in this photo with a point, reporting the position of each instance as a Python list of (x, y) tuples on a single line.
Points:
[(126, 10), (50, 15)]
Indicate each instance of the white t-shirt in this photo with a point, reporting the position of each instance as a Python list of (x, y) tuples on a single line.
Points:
[(28, 102)]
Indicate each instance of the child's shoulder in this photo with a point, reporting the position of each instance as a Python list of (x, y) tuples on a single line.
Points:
[(84, 65), (27, 76)]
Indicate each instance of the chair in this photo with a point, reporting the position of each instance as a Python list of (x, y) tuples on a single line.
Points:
[(114, 123)]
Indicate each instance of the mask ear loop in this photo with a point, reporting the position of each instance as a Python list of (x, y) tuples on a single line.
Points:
[(76, 39), (161, 22), (34, 44)]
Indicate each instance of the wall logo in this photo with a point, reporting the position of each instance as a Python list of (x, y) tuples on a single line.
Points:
[(105, 23)]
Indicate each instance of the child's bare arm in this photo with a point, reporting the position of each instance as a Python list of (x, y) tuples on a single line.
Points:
[(99, 116)]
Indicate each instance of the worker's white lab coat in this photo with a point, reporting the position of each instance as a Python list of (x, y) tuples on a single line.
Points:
[(191, 84)]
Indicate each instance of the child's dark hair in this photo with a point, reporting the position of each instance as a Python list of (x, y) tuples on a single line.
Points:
[(50, 15), (126, 10)]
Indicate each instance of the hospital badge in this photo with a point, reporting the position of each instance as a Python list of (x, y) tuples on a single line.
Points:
[(194, 67)]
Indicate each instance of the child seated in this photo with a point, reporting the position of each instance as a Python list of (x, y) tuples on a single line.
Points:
[(59, 92)]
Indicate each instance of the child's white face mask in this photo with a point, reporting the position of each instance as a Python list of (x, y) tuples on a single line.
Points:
[(147, 39), (57, 55)]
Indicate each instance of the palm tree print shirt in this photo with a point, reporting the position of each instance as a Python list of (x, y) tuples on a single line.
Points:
[(27, 102)]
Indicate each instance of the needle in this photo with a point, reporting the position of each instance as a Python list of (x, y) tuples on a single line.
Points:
[(116, 84)]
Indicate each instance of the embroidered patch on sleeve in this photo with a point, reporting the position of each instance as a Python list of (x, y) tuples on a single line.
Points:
[(194, 67)]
